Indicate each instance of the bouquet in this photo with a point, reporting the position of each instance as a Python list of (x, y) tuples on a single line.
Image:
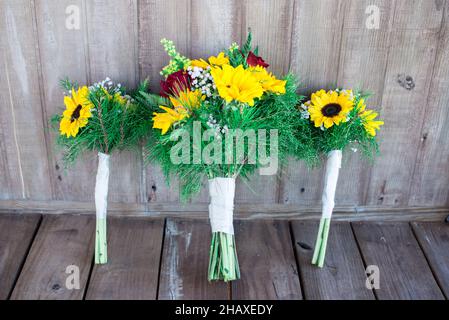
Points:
[(338, 119), (100, 118), (219, 119)]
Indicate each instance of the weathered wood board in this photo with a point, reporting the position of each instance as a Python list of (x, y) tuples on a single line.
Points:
[(62, 253), (134, 252), (434, 240), (185, 260), (327, 43), (267, 262), (343, 276), (17, 232), (395, 251)]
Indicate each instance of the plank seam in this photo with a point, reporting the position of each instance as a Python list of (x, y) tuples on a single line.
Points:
[(365, 264), (86, 44), (16, 140), (420, 149), (89, 276), (427, 260), (302, 288), (25, 257), (42, 97), (382, 90), (161, 256)]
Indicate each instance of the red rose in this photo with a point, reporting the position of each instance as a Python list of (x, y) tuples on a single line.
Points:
[(255, 61), (178, 81)]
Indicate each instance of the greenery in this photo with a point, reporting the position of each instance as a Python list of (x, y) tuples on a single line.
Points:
[(115, 124), (272, 112), (349, 134)]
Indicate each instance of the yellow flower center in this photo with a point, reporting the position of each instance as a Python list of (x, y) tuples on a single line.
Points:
[(76, 113), (331, 110)]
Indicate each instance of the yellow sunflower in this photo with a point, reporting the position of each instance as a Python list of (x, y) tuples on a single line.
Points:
[(368, 117), (165, 120), (185, 101), (77, 112), (200, 63), (219, 60), (267, 80), (329, 108), (236, 84)]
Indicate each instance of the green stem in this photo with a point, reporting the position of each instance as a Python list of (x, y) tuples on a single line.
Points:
[(101, 246), (321, 242), (327, 223), (319, 239), (223, 262)]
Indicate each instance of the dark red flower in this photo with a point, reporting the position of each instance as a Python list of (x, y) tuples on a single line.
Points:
[(255, 61), (178, 81)]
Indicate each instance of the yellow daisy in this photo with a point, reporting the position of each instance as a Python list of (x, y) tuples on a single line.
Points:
[(200, 63), (165, 120), (329, 108), (219, 60), (267, 80), (77, 112), (185, 101), (236, 84), (368, 117)]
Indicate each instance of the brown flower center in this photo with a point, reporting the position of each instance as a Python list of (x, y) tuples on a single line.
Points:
[(76, 113), (331, 110)]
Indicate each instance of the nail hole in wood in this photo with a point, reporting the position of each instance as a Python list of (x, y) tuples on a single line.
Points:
[(305, 246)]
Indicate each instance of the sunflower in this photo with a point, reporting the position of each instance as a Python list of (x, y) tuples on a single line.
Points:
[(165, 120), (236, 84), (219, 60), (267, 80), (368, 117), (185, 101), (200, 63), (329, 108), (77, 112)]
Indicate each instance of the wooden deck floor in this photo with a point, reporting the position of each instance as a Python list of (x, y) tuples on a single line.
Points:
[(155, 258)]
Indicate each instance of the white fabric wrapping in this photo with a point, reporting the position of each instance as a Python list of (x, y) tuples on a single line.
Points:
[(101, 186), (221, 207), (333, 166)]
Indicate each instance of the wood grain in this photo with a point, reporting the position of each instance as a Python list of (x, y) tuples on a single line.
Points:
[(315, 61), (209, 36), (21, 113), (271, 33), (326, 43), (160, 19), (362, 65), (343, 275), (62, 241), (60, 58), (184, 263), (132, 271), (242, 211), (267, 262), (17, 232), (434, 240), (430, 178), (411, 61), (403, 269), (112, 44)]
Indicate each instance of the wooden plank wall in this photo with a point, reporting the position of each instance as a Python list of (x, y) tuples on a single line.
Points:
[(325, 42)]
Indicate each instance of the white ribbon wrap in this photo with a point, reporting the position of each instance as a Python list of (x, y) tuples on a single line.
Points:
[(221, 207), (101, 186), (333, 166)]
